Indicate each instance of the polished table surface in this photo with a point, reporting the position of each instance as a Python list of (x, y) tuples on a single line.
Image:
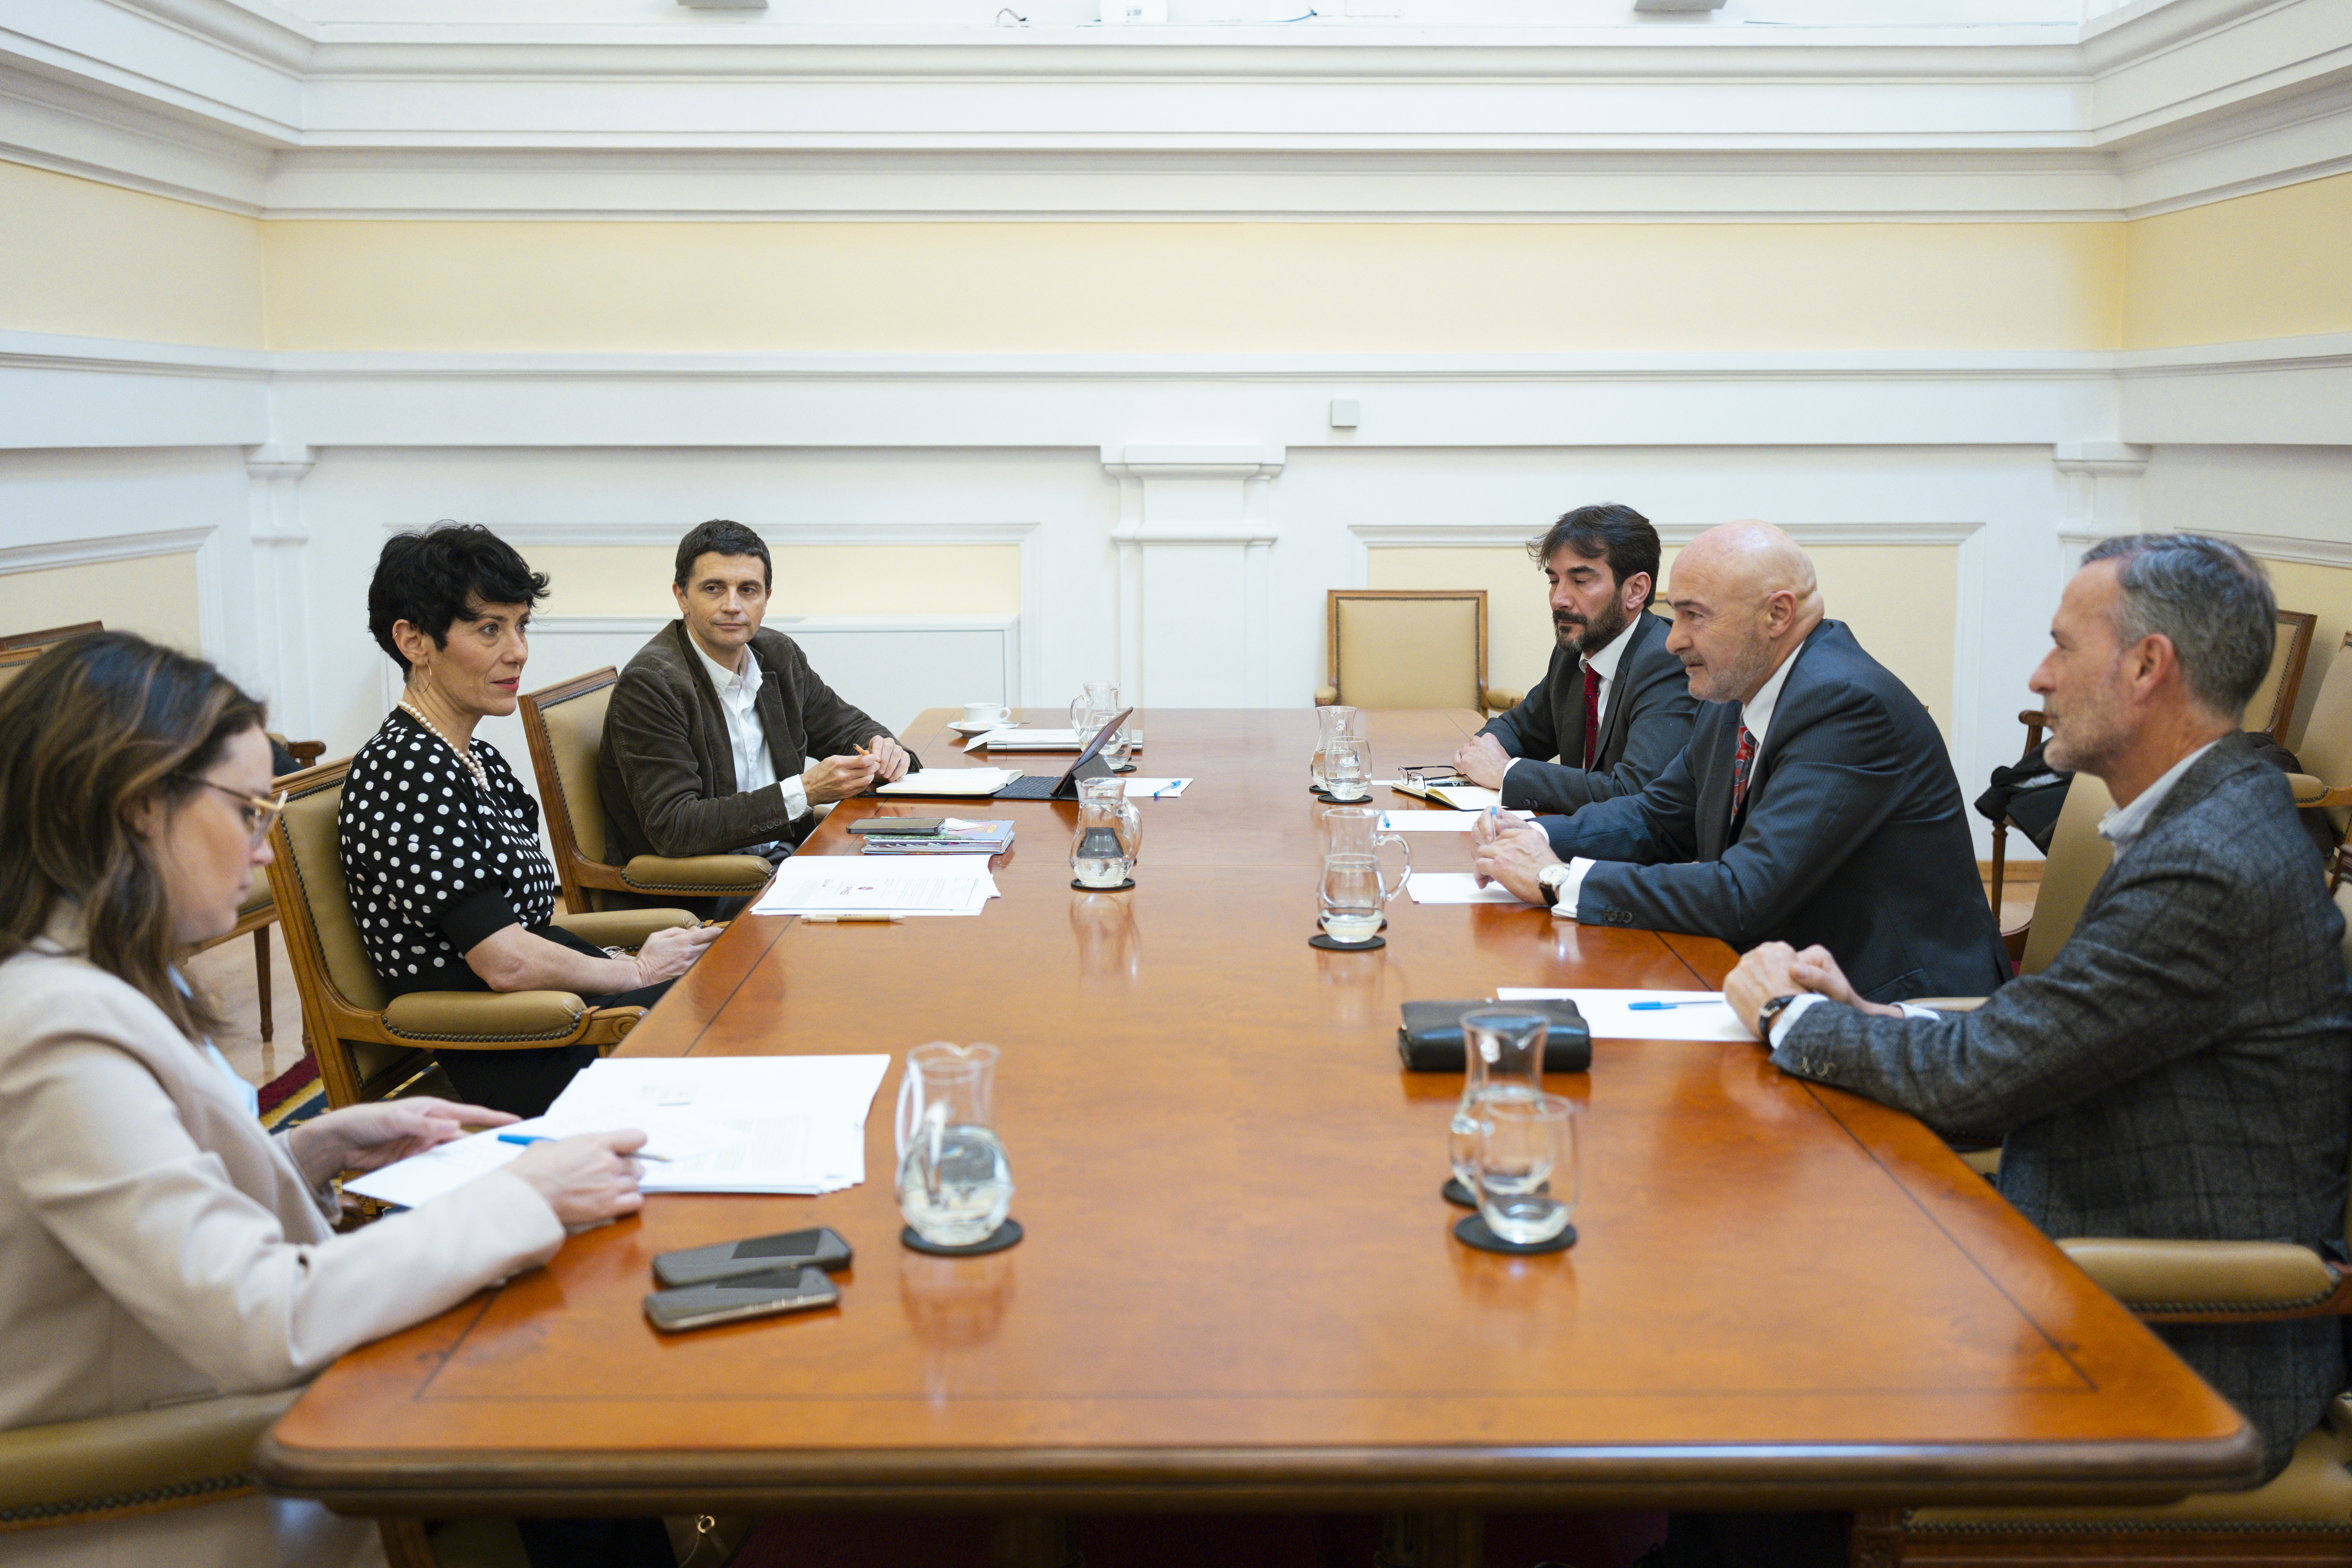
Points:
[(1239, 1288)]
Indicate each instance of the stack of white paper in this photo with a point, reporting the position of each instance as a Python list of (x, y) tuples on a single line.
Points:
[(1645, 1015), (1456, 888), (736, 1124), (1155, 789), (843, 884), (801, 1120), (951, 781), (1026, 740), (1438, 821)]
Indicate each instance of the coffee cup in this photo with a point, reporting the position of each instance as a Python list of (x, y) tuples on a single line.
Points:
[(985, 712)]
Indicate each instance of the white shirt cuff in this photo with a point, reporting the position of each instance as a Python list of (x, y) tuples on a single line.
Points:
[(1789, 1015), (1572, 888), (1514, 762), (796, 804)]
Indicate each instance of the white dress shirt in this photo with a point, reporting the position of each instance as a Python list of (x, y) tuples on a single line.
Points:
[(1605, 664), (2123, 825), (739, 701), (1755, 714)]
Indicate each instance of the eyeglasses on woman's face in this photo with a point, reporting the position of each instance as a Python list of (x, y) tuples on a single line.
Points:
[(261, 811)]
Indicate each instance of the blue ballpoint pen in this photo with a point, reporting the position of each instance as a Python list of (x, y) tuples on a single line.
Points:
[(1662, 1006)]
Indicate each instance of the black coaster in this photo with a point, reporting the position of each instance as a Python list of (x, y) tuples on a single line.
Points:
[(1004, 1236), (1454, 1193), (1319, 793), (1120, 887), (1328, 945), (1124, 768), (1471, 1231)]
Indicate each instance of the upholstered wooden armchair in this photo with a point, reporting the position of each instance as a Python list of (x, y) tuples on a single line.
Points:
[(2302, 1515), (1410, 647), (566, 726), (370, 1043)]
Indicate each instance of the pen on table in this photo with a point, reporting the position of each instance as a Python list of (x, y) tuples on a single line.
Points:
[(1662, 1006), (1163, 789), (855, 920), (543, 1137)]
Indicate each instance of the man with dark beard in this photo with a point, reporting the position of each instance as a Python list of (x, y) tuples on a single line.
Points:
[(1614, 707)]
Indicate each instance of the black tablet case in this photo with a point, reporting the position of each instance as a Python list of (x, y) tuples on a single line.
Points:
[(1430, 1038)]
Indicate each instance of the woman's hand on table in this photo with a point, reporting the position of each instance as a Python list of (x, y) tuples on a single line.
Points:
[(671, 952), (587, 1179)]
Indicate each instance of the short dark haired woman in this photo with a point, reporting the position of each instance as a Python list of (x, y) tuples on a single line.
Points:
[(440, 842), (157, 1245)]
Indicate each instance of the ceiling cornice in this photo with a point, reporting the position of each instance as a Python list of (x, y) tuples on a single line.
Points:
[(257, 110)]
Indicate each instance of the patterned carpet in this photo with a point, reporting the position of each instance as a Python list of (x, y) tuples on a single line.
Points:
[(293, 1097)]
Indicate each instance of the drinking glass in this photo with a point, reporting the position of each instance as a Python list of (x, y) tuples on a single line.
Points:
[(1525, 1169), (1502, 1053), (1353, 895), (1110, 839), (955, 1185), (1093, 709), (1329, 721)]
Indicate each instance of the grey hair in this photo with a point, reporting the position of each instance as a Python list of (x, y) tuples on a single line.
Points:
[(2211, 598)]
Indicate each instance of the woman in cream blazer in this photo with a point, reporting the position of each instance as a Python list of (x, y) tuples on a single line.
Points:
[(156, 1246)]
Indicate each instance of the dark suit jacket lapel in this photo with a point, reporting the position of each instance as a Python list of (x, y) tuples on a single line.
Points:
[(1793, 692), (1712, 757), (714, 721), (1613, 712)]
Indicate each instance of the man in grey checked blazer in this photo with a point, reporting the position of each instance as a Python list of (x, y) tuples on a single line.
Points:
[(2183, 1067)]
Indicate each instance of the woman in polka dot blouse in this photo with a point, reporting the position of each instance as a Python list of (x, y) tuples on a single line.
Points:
[(440, 845)]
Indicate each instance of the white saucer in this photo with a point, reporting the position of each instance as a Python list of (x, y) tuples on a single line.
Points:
[(961, 728)]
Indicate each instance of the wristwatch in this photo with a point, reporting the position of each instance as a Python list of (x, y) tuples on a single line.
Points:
[(1769, 1012), (1551, 879)]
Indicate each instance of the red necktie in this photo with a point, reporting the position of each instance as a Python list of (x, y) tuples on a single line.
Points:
[(1591, 714), (1739, 761)]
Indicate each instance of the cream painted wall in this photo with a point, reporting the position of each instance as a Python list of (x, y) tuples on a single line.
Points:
[(94, 260), (78, 256), (811, 578), (1902, 601), (1049, 288), (154, 595), (2273, 264)]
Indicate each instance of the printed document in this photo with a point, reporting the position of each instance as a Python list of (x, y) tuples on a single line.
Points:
[(1611, 1016), (801, 1120), (1458, 888), (1437, 821), (844, 884)]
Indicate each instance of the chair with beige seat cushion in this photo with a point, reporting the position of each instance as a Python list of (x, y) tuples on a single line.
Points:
[(566, 726), (368, 1043), (2304, 1514), (2324, 747), (1410, 647)]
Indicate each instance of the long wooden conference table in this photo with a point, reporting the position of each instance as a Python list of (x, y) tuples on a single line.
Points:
[(1239, 1289)]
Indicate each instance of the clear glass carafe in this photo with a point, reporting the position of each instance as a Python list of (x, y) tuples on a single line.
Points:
[(1502, 1054), (1109, 838), (955, 1185), (1329, 721)]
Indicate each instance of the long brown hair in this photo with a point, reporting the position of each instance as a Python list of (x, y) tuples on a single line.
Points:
[(90, 731)]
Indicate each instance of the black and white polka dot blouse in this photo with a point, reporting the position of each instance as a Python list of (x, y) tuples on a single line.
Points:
[(433, 865)]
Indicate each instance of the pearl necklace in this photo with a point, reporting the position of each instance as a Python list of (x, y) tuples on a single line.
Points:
[(465, 754)]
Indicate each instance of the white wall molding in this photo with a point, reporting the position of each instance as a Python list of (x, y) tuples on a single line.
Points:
[(1025, 535), (203, 543), (2281, 547), (399, 115), (278, 633), (41, 557), (1195, 599)]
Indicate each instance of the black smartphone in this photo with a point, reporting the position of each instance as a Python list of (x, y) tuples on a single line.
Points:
[(732, 1301), (900, 827), (821, 1247)]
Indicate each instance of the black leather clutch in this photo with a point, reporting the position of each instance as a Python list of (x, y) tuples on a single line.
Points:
[(1430, 1038)]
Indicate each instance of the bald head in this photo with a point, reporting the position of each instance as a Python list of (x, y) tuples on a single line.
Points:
[(1745, 598)]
